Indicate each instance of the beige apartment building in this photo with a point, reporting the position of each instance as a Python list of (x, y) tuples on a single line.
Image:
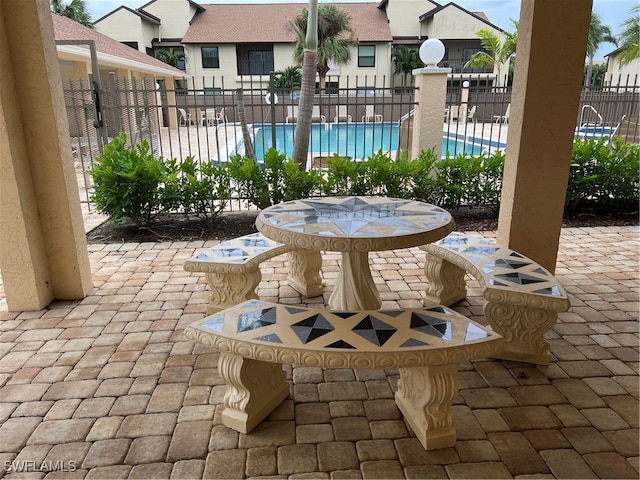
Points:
[(245, 42)]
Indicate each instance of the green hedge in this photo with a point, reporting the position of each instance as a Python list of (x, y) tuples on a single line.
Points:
[(131, 182)]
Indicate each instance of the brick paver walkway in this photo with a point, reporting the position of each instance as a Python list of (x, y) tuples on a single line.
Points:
[(108, 387)]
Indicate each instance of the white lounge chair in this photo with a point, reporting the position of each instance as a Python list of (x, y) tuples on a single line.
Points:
[(370, 114), (185, 118), (292, 114), (342, 115), (210, 116), (471, 114), (503, 118)]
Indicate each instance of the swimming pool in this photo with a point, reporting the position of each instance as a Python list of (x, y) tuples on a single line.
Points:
[(595, 131), (356, 140)]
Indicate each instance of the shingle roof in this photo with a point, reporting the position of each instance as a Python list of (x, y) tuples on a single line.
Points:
[(253, 23), (66, 29)]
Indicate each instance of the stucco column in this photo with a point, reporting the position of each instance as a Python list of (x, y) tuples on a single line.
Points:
[(43, 250), (552, 38), (431, 91)]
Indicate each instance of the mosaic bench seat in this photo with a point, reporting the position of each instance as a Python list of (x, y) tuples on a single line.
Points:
[(426, 345), (521, 298), (233, 271)]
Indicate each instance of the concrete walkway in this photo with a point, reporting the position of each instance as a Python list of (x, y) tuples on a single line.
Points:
[(108, 387)]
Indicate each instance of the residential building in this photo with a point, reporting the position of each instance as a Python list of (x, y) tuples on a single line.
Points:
[(113, 62), (244, 42), (619, 75)]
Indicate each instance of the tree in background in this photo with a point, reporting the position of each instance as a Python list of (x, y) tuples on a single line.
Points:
[(309, 45), (333, 26), (630, 36), (75, 10), (287, 79), (494, 54), (170, 57), (405, 60), (598, 33)]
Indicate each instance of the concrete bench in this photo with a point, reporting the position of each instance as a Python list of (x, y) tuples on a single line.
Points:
[(426, 344), (521, 298), (233, 269)]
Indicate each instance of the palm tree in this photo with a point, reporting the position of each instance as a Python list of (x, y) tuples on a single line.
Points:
[(75, 10), (307, 88), (287, 79), (629, 37), (405, 60), (494, 54), (169, 57), (333, 26), (598, 33)]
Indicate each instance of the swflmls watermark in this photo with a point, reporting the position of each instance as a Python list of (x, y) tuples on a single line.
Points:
[(21, 466)]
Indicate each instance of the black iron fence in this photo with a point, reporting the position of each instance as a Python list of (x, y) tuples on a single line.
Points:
[(352, 119)]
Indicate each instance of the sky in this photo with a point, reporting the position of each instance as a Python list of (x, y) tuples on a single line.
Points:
[(499, 12)]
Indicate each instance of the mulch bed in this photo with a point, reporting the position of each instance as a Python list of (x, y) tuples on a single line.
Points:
[(235, 224)]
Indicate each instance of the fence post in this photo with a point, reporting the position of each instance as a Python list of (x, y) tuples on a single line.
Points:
[(431, 91)]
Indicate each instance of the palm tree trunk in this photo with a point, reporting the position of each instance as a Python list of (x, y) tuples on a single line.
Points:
[(249, 152), (305, 108)]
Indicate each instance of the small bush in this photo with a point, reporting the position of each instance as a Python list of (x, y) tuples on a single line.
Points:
[(126, 181)]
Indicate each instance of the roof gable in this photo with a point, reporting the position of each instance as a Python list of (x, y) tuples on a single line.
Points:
[(139, 13), (478, 15), (237, 23), (66, 29)]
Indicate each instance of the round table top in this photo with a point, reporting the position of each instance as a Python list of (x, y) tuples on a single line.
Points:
[(354, 224)]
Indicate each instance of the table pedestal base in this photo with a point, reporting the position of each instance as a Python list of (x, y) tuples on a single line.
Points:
[(354, 288), (254, 389), (424, 397), (304, 272)]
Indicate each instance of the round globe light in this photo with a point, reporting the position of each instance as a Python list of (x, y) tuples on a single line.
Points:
[(465, 84), (431, 52)]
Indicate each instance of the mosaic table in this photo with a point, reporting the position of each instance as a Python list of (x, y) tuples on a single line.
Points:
[(354, 226)]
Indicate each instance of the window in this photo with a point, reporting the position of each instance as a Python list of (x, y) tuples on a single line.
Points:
[(210, 57), (367, 56), (131, 44), (254, 59)]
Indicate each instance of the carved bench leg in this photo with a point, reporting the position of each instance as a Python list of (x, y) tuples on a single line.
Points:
[(523, 330), (230, 289), (424, 397), (304, 272), (446, 282), (255, 388)]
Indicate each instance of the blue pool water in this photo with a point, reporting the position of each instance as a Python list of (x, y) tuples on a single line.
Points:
[(355, 140)]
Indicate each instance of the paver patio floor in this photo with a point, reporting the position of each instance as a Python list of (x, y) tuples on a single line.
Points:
[(108, 387)]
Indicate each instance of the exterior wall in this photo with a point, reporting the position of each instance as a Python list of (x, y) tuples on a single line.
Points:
[(282, 58), (452, 22), (175, 15), (622, 74), (125, 26), (404, 16)]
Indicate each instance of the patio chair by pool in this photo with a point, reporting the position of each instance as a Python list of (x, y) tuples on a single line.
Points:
[(370, 114), (342, 115), (221, 117), (211, 117), (197, 115), (471, 114), (452, 113), (292, 114), (503, 118), (185, 118)]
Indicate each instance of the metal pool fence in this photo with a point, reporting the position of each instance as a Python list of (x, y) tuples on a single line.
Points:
[(204, 123)]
